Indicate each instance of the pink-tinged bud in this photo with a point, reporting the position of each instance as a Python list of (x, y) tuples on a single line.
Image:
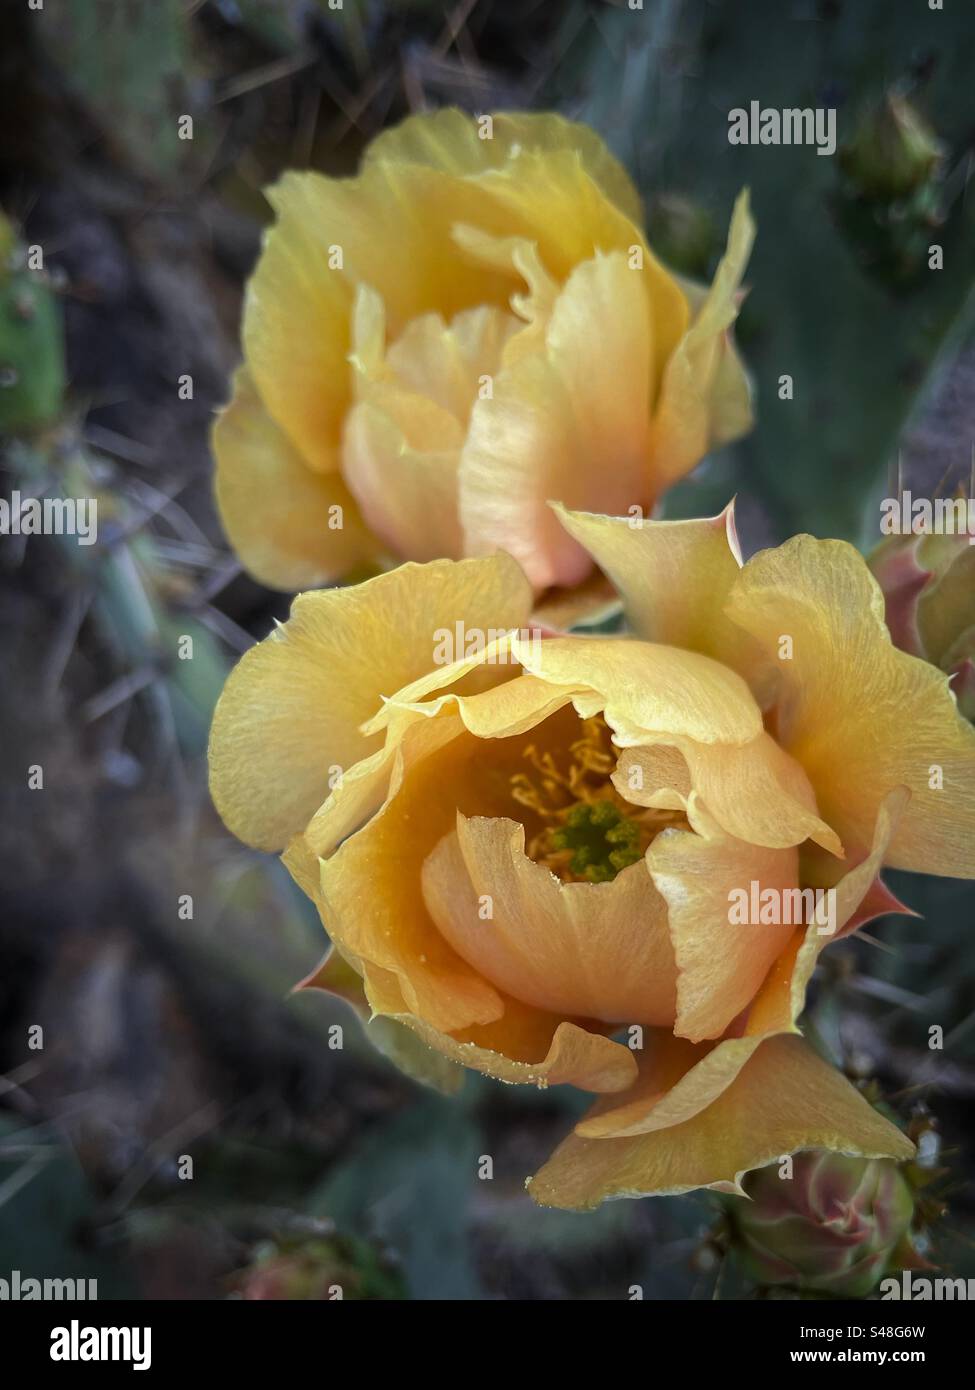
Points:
[(320, 1268), (834, 1227), (928, 582)]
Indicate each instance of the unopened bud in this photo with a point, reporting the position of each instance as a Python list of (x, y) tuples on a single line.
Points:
[(681, 233), (834, 1227), (894, 151), (928, 582)]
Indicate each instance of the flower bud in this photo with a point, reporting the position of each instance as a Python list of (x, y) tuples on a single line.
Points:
[(834, 1227), (894, 151), (928, 583), (325, 1268), (682, 233)]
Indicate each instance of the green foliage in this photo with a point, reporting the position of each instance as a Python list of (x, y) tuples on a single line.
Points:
[(47, 1210), (127, 61), (31, 340), (410, 1185), (860, 347)]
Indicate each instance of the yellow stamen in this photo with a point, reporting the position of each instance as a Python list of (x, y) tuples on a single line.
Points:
[(554, 795)]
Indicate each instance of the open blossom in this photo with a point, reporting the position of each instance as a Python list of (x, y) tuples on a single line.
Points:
[(470, 326), (525, 858)]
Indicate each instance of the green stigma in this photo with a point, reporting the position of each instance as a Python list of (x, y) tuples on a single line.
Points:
[(601, 839)]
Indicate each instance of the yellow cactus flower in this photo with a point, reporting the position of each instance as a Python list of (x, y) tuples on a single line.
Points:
[(471, 325), (531, 853)]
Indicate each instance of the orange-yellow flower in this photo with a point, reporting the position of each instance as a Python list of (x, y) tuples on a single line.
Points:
[(527, 856), (470, 326)]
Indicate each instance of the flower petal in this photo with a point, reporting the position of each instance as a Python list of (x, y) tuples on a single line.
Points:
[(402, 441), (452, 140), (389, 228), (367, 784), (644, 688), (701, 401), (292, 707), (447, 362), (394, 224), (720, 964), (755, 791), (590, 603), (553, 415), (296, 323), (785, 1099), (731, 394), (549, 197), (395, 926), (859, 715), (279, 515), (407, 495), (673, 576), (524, 1046), (515, 255), (389, 926), (598, 951), (568, 1053), (678, 1078)]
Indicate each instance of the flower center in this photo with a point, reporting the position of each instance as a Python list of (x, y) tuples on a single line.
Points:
[(601, 840), (589, 831)]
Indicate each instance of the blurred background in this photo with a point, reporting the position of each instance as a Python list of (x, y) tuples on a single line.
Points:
[(180, 1127)]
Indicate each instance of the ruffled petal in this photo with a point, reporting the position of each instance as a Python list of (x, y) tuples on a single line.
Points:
[(366, 785), (451, 140), (673, 576), (569, 421), (389, 228), (731, 406), (720, 962), (703, 396), (679, 1078), (643, 688), (388, 925), (567, 1053), (755, 791), (859, 715), (524, 1047), (402, 440), (550, 198), (598, 951), (296, 322), (786, 1099), (511, 706), (293, 528), (288, 718), (408, 495)]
